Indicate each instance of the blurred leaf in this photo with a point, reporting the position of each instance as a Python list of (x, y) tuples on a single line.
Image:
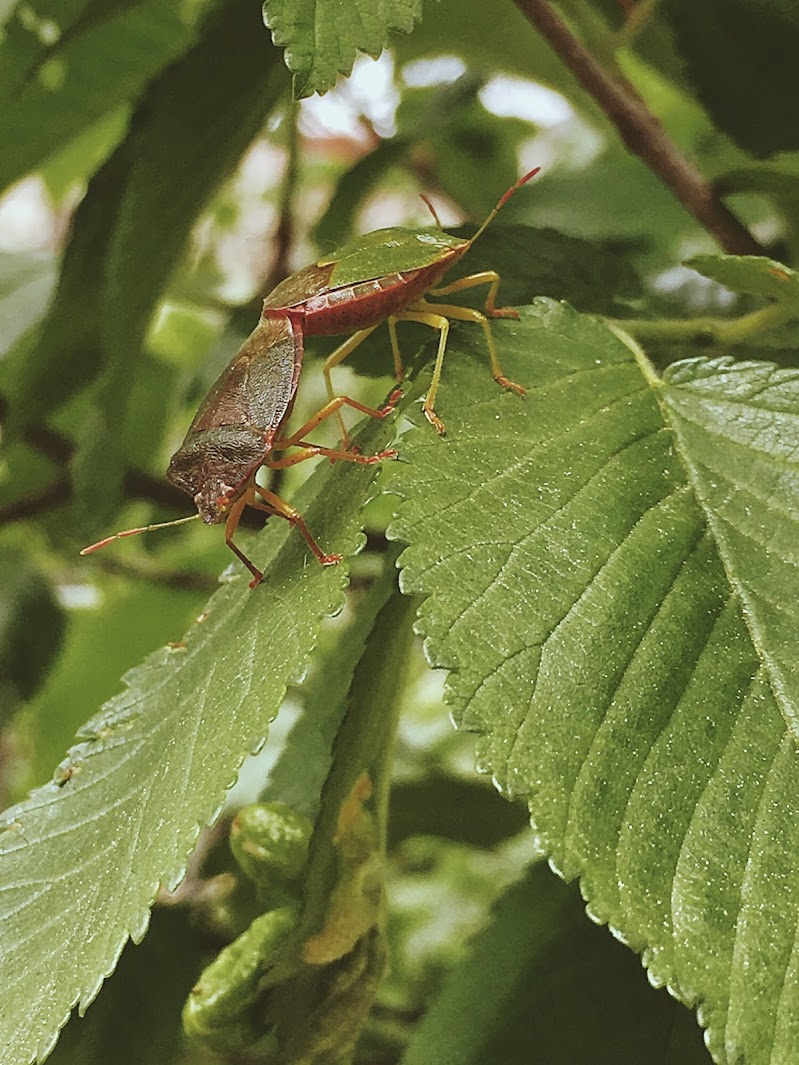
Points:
[(753, 274), (78, 160), (473, 155), (421, 116), (322, 39), (615, 198), (26, 35), (464, 810), (779, 182), (612, 572), (153, 766), (63, 354), (26, 283), (31, 628), (741, 57), (88, 70), (490, 39), (541, 983), (594, 275), (196, 119), (136, 1018)]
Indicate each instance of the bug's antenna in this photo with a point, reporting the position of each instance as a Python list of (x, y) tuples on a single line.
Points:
[(429, 204), (503, 200), (135, 532)]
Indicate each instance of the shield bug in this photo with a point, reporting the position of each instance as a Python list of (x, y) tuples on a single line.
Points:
[(384, 276), (238, 429)]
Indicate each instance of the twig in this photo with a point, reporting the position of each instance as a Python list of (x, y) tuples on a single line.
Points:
[(53, 495), (707, 331), (642, 132), (59, 449), (284, 233)]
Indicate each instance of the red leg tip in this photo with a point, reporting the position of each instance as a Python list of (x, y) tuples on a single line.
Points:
[(390, 403), (434, 420), (330, 560), (520, 390), (256, 580), (503, 312)]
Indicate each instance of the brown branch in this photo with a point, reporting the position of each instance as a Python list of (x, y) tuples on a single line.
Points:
[(47, 498), (642, 132)]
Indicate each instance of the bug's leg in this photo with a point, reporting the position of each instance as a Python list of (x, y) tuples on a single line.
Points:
[(341, 352), (334, 407), (231, 524), (485, 277), (423, 313), (399, 369), (467, 314), (312, 451), (273, 504)]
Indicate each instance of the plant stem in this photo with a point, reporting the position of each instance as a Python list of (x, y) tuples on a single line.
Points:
[(284, 233), (707, 331), (638, 16), (642, 132)]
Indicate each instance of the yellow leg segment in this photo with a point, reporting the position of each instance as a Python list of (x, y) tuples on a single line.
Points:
[(247, 498), (273, 504), (421, 312), (485, 277), (467, 314), (333, 407), (312, 451), (341, 352)]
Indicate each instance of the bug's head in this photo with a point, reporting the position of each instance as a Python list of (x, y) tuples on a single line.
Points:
[(215, 466)]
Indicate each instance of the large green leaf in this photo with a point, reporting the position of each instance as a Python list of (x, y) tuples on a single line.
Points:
[(612, 575), (80, 861), (542, 984), (322, 37)]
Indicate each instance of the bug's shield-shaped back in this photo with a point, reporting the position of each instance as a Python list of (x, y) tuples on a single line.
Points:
[(232, 432)]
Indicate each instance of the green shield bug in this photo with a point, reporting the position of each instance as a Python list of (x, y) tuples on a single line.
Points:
[(384, 276), (237, 430)]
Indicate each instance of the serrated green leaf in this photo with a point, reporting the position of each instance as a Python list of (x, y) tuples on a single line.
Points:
[(737, 428), (753, 274), (583, 560), (100, 647), (542, 984), (322, 37), (80, 861)]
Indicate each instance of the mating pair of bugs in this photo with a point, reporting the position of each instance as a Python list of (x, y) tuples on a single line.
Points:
[(240, 424)]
